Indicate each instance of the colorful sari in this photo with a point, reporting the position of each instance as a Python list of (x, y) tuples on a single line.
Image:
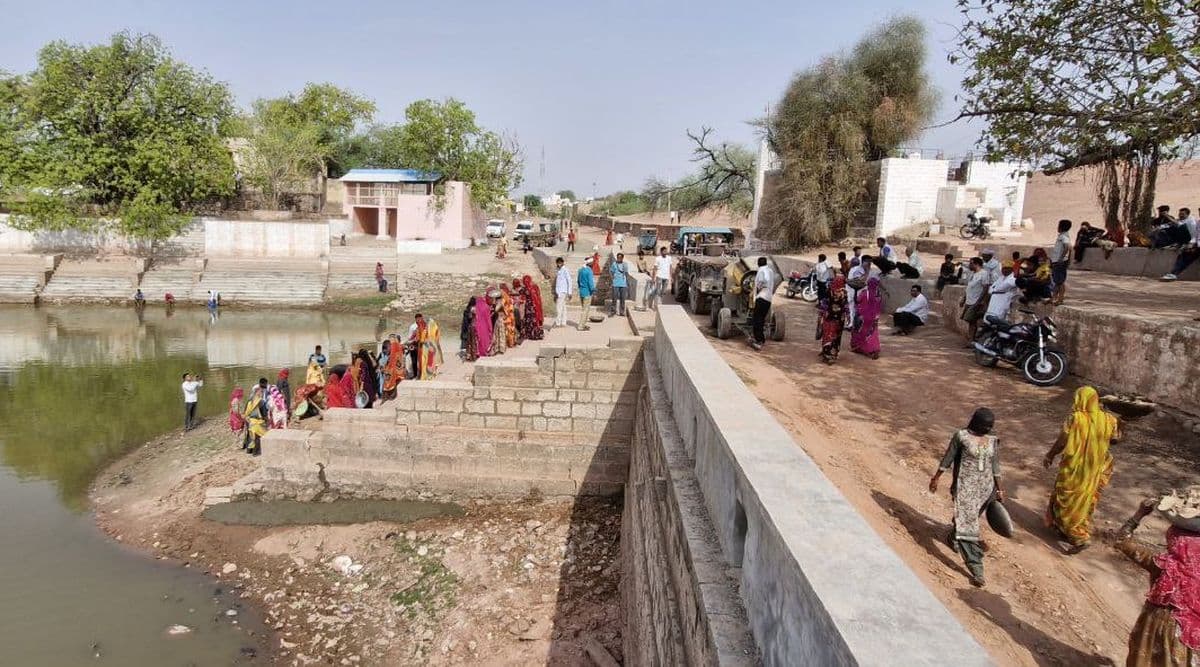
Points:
[(315, 374), (393, 371), (429, 349), (499, 331), (1085, 469), (869, 304), (256, 425), (277, 407), (832, 311), (483, 327), (368, 376), (510, 320), (468, 345), (336, 395), (236, 421), (534, 318)]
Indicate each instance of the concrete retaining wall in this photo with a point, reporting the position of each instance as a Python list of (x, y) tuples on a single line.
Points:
[(1145, 262), (71, 242), (558, 424), (1124, 352), (819, 586), (252, 238)]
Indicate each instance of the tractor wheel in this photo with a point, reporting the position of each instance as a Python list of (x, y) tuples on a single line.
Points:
[(681, 291), (724, 324), (712, 317), (778, 325), (698, 302)]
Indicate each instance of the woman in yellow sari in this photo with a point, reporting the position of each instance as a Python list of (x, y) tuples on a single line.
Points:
[(429, 348), (255, 413), (1084, 470), (315, 375)]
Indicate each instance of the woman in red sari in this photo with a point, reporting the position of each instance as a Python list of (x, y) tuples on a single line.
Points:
[(337, 390), (534, 319), (237, 423)]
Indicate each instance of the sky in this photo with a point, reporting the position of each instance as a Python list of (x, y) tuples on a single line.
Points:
[(599, 94)]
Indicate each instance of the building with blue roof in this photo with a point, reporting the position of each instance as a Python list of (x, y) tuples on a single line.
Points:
[(417, 208)]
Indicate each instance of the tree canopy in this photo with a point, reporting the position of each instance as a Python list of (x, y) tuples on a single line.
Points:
[(118, 130), (1066, 84), (567, 194), (835, 117), (725, 178)]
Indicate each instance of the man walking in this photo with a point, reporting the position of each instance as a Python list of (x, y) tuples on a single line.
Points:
[(824, 274), (587, 286), (571, 241), (764, 287), (191, 387), (620, 283), (562, 292), (661, 276)]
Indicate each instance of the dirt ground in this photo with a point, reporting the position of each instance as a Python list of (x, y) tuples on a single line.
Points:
[(878, 429), (511, 583)]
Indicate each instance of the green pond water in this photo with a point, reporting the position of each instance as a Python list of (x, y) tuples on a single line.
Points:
[(78, 387)]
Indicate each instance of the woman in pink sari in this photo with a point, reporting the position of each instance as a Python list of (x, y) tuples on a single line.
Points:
[(869, 304), (483, 326)]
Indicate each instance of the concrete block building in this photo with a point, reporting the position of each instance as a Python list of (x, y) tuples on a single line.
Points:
[(406, 205), (911, 190)]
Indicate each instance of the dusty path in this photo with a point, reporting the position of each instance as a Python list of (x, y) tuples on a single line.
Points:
[(878, 429)]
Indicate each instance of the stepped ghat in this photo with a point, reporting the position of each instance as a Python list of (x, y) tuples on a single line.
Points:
[(736, 549)]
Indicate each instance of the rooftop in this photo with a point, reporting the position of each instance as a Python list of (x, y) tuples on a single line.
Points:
[(391, 176)]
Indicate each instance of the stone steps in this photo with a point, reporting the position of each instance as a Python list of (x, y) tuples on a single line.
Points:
[(85, 287), (179, 281), (263, 287), (359, 281), (17, 288)]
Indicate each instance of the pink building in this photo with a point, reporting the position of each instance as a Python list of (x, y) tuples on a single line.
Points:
[(402, 204)]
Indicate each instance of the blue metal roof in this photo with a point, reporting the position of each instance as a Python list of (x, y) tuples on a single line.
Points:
[(391, 176), (705, 230)]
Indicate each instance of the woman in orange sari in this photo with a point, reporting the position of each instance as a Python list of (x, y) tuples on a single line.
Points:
[(429, 348), (393, 370), (510, 320), (1085, 469)]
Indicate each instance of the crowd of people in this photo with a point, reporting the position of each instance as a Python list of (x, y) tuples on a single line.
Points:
[(503, 317)]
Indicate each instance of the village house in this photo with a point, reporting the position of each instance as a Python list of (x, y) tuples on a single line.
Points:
[(420, 210)]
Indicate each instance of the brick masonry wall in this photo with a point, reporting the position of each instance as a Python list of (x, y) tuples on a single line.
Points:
[(559, 424)]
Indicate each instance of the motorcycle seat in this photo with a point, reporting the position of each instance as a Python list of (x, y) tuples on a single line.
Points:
[(998, 322)]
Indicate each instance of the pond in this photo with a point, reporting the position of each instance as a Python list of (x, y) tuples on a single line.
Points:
[(79, 386)]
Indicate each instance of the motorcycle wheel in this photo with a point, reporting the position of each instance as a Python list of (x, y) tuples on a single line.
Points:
[(967, 231), (809, 293), (1047, 372)]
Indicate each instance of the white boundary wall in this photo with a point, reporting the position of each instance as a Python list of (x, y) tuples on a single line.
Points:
[(252, 238)]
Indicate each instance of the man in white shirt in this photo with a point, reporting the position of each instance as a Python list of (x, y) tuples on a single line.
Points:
[(562, 293), (912, 314), (1060, 258), (824, 275), (764, 288), (1002, 292), (972, 302), (912, 268), (991, 266), (1190, 251), (856, 280), (191, 387), (661, 277)]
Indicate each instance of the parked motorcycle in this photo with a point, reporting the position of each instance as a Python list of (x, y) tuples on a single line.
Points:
[(1027, 345), (804, 285), (976, 227)]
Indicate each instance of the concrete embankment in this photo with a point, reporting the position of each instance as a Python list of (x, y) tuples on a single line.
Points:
[(1121, 349)]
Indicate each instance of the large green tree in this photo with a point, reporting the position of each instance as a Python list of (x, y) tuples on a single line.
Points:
[(833, 119), (443, 137), (118, 130), (1065, 84), (317, 123)]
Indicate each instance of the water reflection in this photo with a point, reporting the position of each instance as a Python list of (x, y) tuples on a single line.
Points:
[(79, 386)]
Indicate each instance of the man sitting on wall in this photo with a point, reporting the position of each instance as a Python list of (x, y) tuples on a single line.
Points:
[(912, 314)]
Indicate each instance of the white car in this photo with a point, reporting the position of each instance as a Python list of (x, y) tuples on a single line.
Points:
[(523, 228), (495, 229)]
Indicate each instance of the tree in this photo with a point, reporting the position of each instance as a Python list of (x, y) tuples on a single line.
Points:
[(444, 138), (118, 130), (725, 178), (567, 194), (379, 147), (835, 117), (532, 203), (1067, 84), (322, 115)]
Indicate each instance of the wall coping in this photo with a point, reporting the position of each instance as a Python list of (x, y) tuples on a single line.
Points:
[(867, 597)]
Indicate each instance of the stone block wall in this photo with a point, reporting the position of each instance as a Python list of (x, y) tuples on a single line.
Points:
[(908, 192), (1119, 351), (558, 425), (818, 585)]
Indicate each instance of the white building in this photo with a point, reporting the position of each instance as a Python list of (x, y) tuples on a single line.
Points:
[(913, 190)]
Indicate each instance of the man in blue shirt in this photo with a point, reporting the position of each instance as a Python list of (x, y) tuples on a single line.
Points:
[(587, 285), (620, 283)]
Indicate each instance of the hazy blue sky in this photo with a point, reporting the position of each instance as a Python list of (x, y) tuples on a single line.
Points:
[(607, 89)]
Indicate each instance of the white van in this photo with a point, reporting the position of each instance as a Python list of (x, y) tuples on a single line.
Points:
[(495, 228), (523, 228)]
